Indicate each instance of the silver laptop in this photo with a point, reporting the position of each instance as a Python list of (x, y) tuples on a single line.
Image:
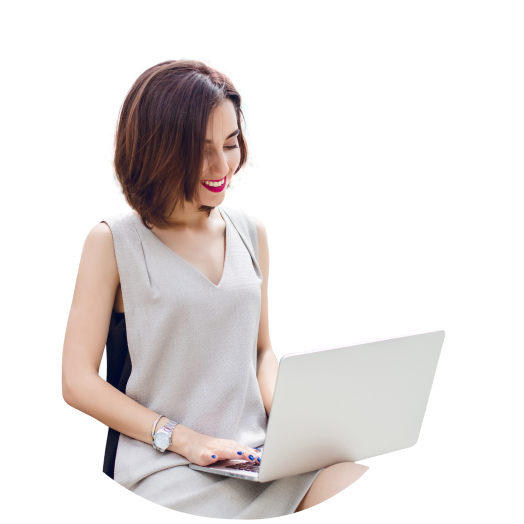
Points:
[(343, 404)]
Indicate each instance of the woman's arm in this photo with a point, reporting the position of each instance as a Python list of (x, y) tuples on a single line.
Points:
[(267, 369), (85, 339), (99, 399)]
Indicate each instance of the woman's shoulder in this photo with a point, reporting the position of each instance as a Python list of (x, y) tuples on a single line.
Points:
[(120, 219)]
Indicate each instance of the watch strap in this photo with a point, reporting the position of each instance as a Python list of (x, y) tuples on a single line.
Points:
[(167, 429)]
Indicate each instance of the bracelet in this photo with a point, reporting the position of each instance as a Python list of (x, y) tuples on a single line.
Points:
[(154, 427)]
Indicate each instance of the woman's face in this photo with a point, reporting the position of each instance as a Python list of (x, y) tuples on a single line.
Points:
[(221, 154)]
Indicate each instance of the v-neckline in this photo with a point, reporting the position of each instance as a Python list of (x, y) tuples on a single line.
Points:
[(216, 286)]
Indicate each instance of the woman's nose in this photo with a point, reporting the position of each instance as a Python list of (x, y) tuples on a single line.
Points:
[(219, 165)]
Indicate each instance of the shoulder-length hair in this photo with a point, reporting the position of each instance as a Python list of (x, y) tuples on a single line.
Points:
[(161, 132)]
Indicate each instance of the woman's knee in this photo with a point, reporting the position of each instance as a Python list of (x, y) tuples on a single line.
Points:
[(335, 478), (330, 481)]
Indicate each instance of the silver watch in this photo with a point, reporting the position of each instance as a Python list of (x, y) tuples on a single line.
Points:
[(162, 439)]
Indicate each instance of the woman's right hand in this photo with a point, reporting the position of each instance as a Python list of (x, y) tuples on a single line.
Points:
[(205, 450)]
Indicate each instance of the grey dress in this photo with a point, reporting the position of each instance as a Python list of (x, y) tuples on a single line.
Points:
[(193, 358)]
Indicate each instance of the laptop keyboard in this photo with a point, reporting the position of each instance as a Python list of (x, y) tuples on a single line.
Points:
[(246, 466)]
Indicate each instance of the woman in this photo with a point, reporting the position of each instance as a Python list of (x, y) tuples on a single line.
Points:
[(177, 288)]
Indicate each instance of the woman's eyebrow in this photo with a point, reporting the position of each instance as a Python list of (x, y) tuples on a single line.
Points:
[(231, 135)]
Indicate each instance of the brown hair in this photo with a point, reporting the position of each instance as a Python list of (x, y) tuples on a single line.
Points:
[(159, 143)]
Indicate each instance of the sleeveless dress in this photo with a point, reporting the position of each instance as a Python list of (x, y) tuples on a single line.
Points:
[(187, 349)]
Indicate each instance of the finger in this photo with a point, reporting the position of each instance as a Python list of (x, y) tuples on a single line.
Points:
[(253, 455), (244, 453)]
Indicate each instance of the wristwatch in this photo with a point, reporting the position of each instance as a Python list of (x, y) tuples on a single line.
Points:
[(162, 439)]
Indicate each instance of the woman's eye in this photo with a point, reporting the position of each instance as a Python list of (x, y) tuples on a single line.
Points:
[(207, 152)]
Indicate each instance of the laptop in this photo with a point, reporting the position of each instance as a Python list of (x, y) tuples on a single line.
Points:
[(343, 404)]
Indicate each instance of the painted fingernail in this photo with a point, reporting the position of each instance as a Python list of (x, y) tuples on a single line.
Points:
[(240, 452), (257, 449), (258, 459), (213, 456), (251, 457)]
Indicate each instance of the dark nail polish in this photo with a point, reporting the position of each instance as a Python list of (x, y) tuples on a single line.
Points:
[(213, 456), (258, 459), (240, 452), (251, 457), (258, 449)]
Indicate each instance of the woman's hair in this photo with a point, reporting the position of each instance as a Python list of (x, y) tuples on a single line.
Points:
[(161, 132)]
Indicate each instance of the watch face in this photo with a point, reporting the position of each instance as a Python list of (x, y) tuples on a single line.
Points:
[(161, 440)]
